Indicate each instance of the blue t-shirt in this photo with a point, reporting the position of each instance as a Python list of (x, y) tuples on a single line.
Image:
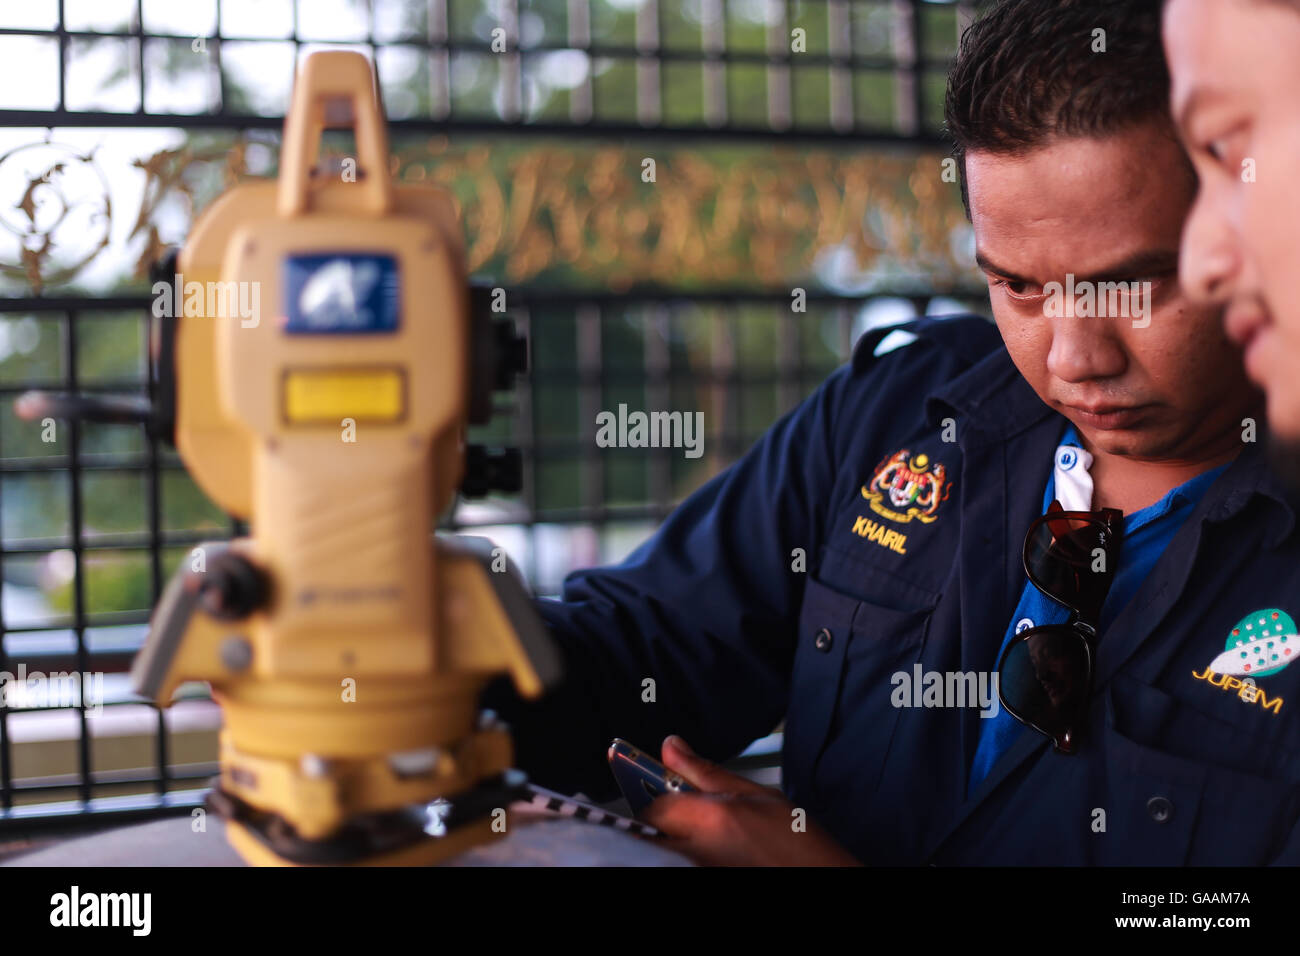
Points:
[(1146, 535)]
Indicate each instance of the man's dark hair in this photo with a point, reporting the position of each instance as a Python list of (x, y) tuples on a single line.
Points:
[(1026, 73)]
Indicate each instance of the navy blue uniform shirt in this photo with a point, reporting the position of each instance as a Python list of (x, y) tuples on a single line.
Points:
[(907, 481)]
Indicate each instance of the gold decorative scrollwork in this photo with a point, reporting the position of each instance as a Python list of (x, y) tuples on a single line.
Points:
[(66, 205), (557, 213), (593, 216), (166, 174)]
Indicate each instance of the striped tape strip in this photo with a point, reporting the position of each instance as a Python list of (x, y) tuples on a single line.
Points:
[(568, 807)]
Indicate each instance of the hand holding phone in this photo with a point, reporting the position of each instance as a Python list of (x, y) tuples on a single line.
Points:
[(641, 777)]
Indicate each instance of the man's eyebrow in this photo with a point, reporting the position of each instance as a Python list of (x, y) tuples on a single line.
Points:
[(1146, 262), (987, 265)]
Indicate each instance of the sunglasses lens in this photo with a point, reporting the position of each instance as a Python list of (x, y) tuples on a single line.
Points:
[(1043, 678), (1072, 560)]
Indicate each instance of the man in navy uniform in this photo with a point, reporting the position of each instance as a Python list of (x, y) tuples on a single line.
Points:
[(1147, 661)]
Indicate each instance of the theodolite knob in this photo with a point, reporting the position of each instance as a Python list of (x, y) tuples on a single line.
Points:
[(496, 470), (511, 355), (497, 354), (233, 587)]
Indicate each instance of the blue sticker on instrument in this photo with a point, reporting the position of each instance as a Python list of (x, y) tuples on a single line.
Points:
[(341, 293)]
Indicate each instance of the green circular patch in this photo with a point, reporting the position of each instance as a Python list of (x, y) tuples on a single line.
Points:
[(1261, 637)]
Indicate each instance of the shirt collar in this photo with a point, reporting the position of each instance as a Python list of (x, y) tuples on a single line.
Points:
[(992, 396), (1249, 477)]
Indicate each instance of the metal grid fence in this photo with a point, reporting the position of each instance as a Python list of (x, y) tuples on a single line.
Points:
[(590, 351), (873, 68)]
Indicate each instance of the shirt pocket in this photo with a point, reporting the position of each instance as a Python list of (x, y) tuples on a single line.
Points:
[(846, 652), (1177, 798)]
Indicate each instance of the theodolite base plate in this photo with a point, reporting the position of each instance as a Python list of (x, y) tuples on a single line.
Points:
[(409, 835)]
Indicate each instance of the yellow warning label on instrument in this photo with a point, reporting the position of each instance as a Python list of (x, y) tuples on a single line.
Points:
[(330, 395)]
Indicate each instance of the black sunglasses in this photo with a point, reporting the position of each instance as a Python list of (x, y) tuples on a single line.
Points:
[(1045, 673)]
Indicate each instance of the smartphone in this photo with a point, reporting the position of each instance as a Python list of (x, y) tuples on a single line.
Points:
[(641, 777)]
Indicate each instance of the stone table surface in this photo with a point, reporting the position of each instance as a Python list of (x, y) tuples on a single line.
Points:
[(172, 842)]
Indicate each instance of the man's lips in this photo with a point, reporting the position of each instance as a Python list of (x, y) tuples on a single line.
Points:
[(1250, 328), (1106, 417), (1242, 325)]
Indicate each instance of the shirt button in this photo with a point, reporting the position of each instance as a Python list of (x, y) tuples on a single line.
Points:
[(823, 640), (1160, 809)]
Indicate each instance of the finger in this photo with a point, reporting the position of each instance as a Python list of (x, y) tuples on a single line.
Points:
[(678, 814), (704, 828), (695, 826), (702, 774)]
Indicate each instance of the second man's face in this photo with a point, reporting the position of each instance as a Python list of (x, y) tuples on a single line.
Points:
[(1235, 67), (1079, 241)]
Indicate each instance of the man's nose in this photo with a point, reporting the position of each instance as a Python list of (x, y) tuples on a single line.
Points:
[(1209, 258), (1085, 348)]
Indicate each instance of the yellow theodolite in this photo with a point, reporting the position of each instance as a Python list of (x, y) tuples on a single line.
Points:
[(327, 363)]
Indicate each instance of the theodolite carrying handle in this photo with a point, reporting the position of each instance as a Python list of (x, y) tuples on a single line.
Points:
[(335, 90)]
